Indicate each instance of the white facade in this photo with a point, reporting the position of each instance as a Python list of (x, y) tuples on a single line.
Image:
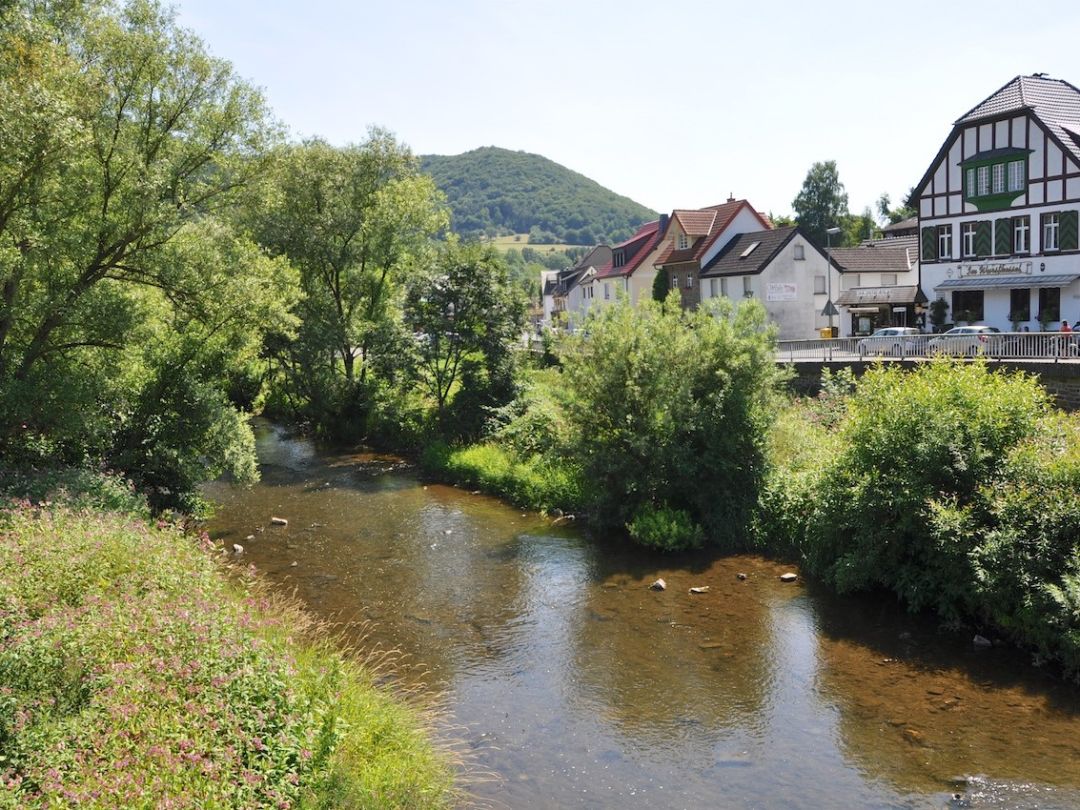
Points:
[(793, 286), (998, 213)]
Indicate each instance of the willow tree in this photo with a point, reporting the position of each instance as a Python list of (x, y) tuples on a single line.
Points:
[(355, 221), (125, 296)]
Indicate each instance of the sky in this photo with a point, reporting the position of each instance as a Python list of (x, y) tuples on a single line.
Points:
[(673, 104)]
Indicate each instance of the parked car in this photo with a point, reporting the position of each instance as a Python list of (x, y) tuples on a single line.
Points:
[(892, 340), (966, 341)]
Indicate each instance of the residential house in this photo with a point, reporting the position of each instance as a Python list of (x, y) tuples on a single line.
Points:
[(567, 293), (780, 267), (692, 238), (999, 205), (879, 285), (629, 272)]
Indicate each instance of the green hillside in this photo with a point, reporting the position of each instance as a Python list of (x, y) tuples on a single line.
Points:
[(495, 191)]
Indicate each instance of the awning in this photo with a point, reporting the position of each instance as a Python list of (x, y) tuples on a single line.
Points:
[(862, 296), (996, 282), (864, 311)]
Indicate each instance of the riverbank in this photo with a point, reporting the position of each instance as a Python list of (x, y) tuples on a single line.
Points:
[(136, 672)]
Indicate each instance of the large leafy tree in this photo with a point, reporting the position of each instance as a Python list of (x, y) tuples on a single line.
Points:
[(123, 141), (356, 222), (822, 202), (465, 316)]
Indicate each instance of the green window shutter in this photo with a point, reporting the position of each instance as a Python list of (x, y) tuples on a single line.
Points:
[(929, 244), (1003, 237), (982, 238), (1069, 234)]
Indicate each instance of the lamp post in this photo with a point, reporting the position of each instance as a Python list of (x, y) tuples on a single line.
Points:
[(830, 309)]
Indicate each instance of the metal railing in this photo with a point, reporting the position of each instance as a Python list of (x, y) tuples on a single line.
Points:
[(1047, 346)]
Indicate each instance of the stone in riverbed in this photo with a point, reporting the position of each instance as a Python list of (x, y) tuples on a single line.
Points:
[(278, 521), (788, 577), (982, 642), (250, 537), (700, 589), (237, 549), (740, 576), (659, 585)]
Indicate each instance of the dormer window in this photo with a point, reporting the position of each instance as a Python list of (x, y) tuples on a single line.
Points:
[(618, 259), (683, 241)]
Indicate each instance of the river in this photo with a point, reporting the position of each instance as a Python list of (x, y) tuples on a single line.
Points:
[(571, 684)]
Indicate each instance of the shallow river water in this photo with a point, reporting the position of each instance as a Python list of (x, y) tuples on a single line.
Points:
[(573, 685)]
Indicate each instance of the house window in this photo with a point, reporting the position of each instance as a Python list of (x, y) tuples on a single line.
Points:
[(1050, 225), (982, 173), (674, 281), (888, 279), (997, 174), (967, 239), (969, 185), (723, 287), (800, 253), (1020, 305), (944, 241), (1049, 304), (683, 241), (619, 259), (747, 290), (1016, 175), (712, 287), (1021, 235), (819, 285), (967, 305), (689, 280), (607, 291), (855, 281)]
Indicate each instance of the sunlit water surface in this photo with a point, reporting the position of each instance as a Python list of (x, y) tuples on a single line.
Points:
[(577, 686)]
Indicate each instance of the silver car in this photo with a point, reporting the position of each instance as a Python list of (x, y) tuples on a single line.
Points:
[(967, 341), (897, 341)]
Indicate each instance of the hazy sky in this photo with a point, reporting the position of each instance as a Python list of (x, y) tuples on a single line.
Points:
[(674, 104)]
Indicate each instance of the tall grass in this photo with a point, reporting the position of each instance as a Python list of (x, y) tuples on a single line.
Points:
[(134, 673)]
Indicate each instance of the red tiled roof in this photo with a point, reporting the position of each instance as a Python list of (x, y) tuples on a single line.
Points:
[(695, 223), (636, 248), (719, 216)]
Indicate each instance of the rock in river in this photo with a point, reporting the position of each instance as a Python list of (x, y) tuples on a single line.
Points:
[(659, 585), (277, 521), (700, 589), (788, 577), (740, 576), (237, 549), (982, 641)]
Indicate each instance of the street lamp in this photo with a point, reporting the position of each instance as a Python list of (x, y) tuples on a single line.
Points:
[(830, 309)]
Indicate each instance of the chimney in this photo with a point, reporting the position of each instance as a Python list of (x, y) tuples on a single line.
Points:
[(663, 223), (731, 196)]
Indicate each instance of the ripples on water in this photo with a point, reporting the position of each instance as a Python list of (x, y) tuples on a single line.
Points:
[(579, 687)]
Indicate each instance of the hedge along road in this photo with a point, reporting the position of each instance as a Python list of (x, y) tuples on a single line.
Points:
[(580, 687)]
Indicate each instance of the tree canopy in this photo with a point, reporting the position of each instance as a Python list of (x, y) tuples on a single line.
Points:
[(822, 202)]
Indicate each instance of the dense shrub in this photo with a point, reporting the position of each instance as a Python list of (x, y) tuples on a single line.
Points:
[(669, 410), (917, 449)]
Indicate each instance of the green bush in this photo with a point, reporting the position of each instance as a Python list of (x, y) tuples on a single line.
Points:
[(670, 407), (665, 529), (917, 448)]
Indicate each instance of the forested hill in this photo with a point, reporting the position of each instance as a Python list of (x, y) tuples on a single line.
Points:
[(496, 191)]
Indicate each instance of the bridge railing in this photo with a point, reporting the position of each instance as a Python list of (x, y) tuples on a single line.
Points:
[(1048, 346)]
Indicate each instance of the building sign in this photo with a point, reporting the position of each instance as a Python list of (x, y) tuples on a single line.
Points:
[(993, 269), (781, 291)]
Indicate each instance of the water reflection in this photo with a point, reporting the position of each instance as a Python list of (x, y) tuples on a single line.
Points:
[(580, 687)]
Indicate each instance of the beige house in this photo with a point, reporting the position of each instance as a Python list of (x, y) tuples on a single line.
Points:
[(692, 238), (630, 272)]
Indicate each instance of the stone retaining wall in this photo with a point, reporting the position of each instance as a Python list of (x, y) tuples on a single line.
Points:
[(1062, 380)]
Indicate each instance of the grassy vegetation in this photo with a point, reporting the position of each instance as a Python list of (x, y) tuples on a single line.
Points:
[(135, 673), (521, 240)]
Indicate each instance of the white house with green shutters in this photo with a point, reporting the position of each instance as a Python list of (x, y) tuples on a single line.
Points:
[(999, 208)]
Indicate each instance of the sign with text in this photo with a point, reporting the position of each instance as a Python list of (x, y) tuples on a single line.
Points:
[(781, 291), (994, 269)]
